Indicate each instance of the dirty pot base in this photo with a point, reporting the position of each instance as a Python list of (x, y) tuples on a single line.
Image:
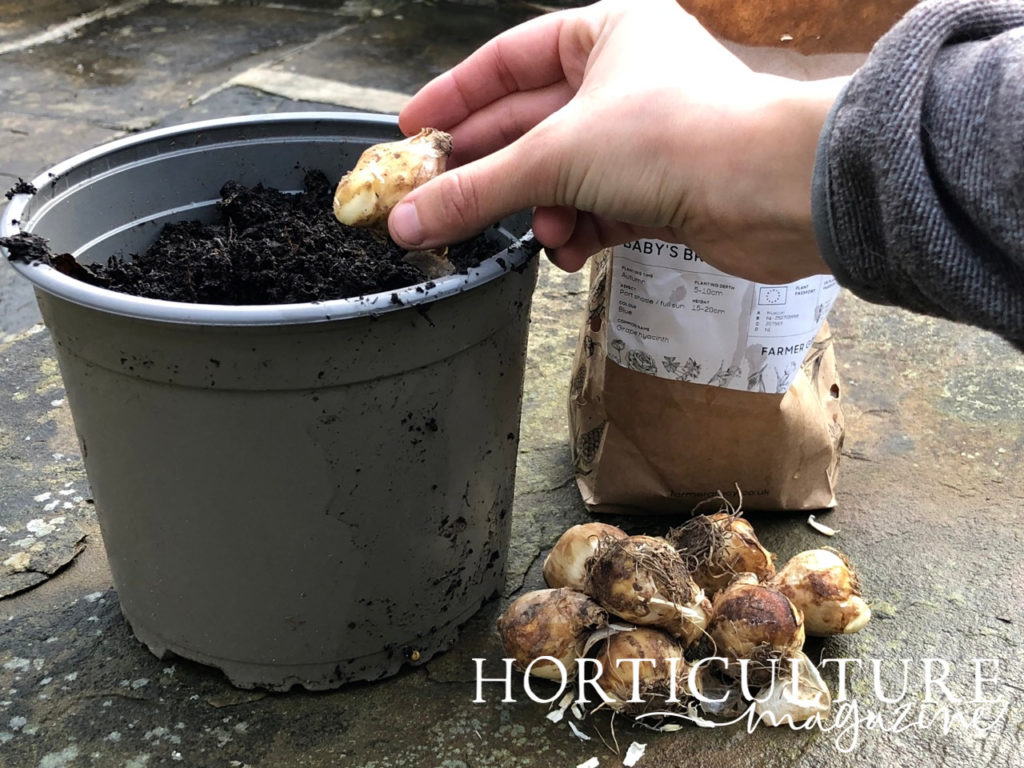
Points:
[(321, 676)]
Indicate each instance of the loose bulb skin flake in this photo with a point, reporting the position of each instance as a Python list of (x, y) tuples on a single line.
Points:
[(792, 701)]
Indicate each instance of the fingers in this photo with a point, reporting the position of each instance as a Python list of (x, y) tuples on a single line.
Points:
[(554, 225), (588, 237), (524, 58), (592, 233), (502, 122), (570, 237)]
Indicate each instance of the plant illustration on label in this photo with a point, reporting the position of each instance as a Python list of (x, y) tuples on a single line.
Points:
[(688, 310)]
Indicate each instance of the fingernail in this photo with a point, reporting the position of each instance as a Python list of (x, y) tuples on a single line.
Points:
[(405, 224)]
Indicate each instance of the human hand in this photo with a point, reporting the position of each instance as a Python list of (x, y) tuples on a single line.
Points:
[(621, 120)]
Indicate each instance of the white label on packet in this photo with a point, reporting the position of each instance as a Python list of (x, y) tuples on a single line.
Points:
[(674, 316)]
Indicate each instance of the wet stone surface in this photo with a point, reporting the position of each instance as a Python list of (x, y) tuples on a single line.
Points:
[(929, 511), (403, 50), (930, 490), (157, 57), (45, 511)]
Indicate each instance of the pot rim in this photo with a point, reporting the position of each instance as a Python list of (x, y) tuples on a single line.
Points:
[(44, 277)]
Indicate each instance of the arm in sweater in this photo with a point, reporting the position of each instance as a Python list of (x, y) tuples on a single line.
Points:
[(918, 190)]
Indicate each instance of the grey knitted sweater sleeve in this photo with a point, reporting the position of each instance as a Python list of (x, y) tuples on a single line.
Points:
[(919, 180)]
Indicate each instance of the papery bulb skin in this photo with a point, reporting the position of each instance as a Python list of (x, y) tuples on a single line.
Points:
[(660, 670), (566, 564), (787, 703), (717, 547), (641, 579), (385, 173), (823, 584), (549, 622)]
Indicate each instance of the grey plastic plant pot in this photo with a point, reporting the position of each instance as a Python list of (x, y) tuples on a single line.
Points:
[(301, 494)]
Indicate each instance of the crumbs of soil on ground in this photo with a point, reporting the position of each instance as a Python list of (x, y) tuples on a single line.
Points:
[(271, 247)]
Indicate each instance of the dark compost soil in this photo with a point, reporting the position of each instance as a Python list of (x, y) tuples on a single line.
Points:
[(268, 247)]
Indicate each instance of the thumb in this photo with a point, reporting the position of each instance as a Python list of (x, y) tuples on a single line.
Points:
[(464, 201)]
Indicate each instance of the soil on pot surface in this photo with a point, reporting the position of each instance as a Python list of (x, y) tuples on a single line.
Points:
[(268, 247), (21, 188)]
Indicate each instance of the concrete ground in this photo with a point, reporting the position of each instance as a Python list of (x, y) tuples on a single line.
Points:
[(929, 502)]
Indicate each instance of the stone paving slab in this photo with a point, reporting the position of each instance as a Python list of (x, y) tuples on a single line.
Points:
[(401, 51), (48, 19), (44, 516), (929, 494), (929, 509), (131, 68)]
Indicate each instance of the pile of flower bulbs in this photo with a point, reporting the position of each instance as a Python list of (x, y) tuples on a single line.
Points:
[(706, 589)]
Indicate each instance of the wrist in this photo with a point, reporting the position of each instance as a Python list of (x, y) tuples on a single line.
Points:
[(793, 124), (764, 209)]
